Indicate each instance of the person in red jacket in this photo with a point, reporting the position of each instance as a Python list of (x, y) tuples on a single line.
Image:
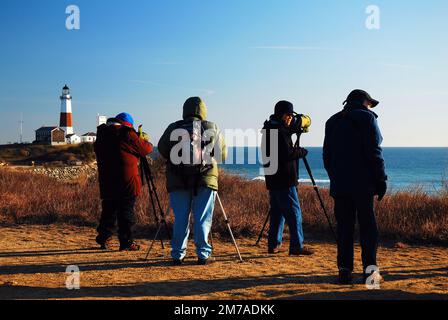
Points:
[(118, 149)]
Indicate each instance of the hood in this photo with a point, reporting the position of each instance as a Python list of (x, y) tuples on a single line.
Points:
[(195, 108)]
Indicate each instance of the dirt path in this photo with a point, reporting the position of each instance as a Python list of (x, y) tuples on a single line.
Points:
[(33, 260)]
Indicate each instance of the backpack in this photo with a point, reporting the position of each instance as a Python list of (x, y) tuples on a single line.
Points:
[(195, 165)]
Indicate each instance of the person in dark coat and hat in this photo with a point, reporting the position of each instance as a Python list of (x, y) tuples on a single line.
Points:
[(282, 184), (353, 159)]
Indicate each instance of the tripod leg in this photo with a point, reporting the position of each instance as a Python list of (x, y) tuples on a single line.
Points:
[(160, 206), (153, 241), (155, 215), (228, 227), (159, 228), (153, 193), (145, 170), (211, 239), (316, 189), (262, 230)]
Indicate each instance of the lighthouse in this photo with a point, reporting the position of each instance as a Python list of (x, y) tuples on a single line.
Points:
[(66, 120)]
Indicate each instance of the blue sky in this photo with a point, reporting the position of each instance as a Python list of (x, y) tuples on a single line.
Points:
[(147, 57)]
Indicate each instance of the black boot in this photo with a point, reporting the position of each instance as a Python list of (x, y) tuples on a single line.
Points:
[(345, 276), (177, 262), (203, 262), (129, 246), (301, 251), (103, 242)]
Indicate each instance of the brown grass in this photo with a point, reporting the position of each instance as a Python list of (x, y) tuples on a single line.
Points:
[(32, 199)]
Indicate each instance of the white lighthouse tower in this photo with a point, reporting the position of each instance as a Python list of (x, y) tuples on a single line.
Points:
[(66, 120)]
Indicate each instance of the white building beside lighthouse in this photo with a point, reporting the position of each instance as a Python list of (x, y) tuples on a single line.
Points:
[(66, 119)]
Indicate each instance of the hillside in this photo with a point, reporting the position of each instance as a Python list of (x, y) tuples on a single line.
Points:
[(25, 154)]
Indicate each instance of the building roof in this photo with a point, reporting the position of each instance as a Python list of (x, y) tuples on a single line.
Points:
[(49, 129), (71, 135), (89, 134)]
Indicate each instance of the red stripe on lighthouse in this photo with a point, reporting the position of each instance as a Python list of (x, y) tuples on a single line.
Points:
[(66, 120)]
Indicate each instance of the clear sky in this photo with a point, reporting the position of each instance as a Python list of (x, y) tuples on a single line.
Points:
[(147, 56)]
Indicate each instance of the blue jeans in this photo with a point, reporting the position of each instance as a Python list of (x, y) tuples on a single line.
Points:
[(202, 205), (285, 206)]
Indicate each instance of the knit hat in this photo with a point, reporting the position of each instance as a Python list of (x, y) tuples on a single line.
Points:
[(126, 118)]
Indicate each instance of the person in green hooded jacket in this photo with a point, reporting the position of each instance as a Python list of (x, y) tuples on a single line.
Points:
[(193, 148)]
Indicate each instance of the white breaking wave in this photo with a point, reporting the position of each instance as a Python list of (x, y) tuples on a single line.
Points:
[(261, 178), (317, 181)]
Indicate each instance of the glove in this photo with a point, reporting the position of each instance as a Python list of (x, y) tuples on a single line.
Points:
[(145, 136), (381, 189), (141, 134)]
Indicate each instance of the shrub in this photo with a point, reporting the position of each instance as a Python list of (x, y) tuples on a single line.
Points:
[(24, 153)]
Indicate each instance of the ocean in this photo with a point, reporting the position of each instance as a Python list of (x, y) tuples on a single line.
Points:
[(407, 168)]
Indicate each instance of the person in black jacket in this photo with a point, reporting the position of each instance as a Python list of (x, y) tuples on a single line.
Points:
[(282, 183), (353, 159)]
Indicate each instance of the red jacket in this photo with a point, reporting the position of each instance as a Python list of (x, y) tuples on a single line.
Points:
[(118, 149)]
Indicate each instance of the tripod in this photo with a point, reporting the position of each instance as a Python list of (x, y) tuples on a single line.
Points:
[(154, 198)]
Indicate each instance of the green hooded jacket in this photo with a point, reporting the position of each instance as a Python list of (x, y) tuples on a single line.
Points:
[(194, 109)]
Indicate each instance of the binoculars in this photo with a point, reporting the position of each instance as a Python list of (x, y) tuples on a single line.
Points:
[(300, 124)]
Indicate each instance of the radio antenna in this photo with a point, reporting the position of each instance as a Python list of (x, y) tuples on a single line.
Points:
[(21, 127)]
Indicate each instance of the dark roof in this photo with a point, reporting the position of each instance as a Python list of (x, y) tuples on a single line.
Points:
[(46, 129), (89, 134), (66, 88)]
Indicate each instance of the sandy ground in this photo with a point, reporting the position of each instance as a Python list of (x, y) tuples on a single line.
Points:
[(33, 261)]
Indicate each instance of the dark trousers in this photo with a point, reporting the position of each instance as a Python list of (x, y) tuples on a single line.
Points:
[(121, 210), (347, 210)]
